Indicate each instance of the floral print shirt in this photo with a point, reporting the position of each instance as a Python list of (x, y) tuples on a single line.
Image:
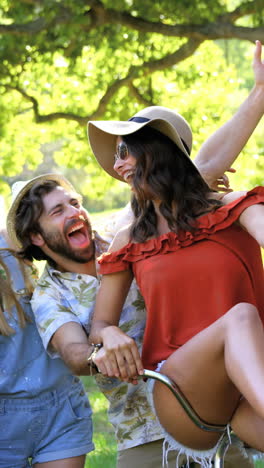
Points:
[(63, 297)]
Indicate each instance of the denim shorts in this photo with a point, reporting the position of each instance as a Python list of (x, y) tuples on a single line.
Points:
[(52, 426)]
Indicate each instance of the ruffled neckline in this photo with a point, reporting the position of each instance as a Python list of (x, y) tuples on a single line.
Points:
[(208, 224)]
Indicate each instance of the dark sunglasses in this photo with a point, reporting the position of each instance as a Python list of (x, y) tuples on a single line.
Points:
[(121, 151)]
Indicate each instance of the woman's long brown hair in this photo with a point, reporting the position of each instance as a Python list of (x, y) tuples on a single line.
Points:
[(8, 299), (164, 172)]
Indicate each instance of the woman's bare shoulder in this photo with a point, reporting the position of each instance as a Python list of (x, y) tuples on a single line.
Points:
[(232, 196), (121, 238)]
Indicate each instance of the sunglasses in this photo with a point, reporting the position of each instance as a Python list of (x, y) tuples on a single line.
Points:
[(121, 151)]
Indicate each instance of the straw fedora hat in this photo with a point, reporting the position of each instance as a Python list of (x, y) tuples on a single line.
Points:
[(102, 134), (19, 190)]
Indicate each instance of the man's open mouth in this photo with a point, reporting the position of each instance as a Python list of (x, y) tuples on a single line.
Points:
[(78, 235)]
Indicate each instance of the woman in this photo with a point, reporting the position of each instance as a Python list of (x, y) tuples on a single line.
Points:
[(198, 264), (45, 417)]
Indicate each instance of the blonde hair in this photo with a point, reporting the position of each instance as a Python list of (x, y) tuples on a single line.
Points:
[(8, 298)]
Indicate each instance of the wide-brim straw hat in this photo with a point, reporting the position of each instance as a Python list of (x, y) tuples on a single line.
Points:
[(19, 190), (102, 134)]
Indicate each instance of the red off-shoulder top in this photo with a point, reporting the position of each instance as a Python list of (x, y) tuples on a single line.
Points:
[(190, 280)]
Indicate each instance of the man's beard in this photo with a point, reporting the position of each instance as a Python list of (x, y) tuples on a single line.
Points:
[(59, 245)]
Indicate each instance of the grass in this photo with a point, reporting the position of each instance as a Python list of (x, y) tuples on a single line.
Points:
[(104, 454)]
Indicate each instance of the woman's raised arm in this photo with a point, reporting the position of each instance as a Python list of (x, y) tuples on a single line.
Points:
[(220, 150)]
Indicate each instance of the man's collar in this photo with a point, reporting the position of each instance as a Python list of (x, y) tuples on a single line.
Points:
[(66, 275)]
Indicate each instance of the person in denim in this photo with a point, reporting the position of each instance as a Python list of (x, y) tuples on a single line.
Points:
[(45, 416)]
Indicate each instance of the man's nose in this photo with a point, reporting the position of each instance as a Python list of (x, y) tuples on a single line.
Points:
[(73, 210)]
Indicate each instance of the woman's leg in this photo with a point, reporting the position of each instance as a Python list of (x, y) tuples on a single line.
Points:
[(212, 370), (248, 426), (73, 462)]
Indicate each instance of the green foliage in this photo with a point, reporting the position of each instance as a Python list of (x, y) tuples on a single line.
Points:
[(170, 11), (65, 62)]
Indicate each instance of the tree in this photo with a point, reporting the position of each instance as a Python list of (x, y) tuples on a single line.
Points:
[(65, 62)]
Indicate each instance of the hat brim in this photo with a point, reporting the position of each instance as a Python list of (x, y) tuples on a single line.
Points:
[(11, 216), (102, 136)]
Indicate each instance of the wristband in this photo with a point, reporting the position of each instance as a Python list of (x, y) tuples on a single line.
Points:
[(92, 355)]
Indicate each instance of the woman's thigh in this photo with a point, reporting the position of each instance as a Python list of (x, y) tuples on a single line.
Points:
[(198, 368)]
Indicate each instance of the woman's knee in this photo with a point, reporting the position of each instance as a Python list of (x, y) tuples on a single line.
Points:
[(242, 314)]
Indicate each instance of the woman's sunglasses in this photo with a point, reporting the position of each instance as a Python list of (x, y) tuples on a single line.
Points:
[(121, 151)]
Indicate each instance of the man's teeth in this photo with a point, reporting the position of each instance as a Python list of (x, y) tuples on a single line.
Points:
[(76, 227)]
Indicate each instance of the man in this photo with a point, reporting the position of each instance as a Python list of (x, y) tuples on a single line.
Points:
[(47, 221)]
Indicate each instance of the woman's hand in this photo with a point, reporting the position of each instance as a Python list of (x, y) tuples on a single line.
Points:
[(119, 356), (258, 65), (222, 184)]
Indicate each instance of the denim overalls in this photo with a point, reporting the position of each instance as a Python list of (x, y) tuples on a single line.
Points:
[(44, 412)]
